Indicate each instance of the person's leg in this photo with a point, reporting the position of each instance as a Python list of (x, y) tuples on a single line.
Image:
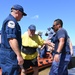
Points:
[(63, 70), (38, 50), (10, 70), (23, 71), (43, 53), (9, 63), (34, 64), (25, 66), (63, 66), (54, 68), (35, 69), (0, 71)]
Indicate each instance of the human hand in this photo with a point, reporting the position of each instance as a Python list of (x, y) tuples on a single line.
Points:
[(50, 48), (71, 51), (50, 43), (20, 60), (57, 57)]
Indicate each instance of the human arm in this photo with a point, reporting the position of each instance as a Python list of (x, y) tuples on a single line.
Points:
[(59, 49), (60, 45), (12, 31), (60, 37), (14, 45), (49, 43), (42, 47), (45, 42), (71, 47)]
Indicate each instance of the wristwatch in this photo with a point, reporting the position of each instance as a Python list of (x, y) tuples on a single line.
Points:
[(57, 53)]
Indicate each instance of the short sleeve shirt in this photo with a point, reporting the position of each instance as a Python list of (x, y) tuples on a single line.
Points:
[(34, 41), (10, 29), (62, 33)]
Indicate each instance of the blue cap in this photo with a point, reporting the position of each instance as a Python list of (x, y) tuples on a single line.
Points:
[(20, 8), (32, 27)]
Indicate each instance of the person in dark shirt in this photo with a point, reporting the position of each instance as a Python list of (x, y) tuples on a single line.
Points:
[(61, 53), (10, 53)]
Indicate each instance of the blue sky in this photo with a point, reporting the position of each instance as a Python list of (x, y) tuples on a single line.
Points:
[(42, 13)]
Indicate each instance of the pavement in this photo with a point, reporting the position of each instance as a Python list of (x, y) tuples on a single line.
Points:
[(47, 70)]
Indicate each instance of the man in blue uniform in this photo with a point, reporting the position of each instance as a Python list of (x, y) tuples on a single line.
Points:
[(10, 55), (61, 52)]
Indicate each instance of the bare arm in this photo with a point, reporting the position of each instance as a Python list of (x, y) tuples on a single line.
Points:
[(42, 47), (14, 45), (71, 47), (61, 44), (48, 42), (59, 49)]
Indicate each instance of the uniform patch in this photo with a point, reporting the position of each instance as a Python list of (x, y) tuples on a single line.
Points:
[(11, 24)]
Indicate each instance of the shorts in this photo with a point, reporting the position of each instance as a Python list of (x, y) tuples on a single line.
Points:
[(30, 63)]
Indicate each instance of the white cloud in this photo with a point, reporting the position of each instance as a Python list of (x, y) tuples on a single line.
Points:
[(35, 17)]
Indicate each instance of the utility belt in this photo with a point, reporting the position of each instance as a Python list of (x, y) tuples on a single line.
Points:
[(68, 52), (28, 50)]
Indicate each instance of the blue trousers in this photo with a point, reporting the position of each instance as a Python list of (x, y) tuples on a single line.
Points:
[(9, 63), (60, 68), (42, 52)]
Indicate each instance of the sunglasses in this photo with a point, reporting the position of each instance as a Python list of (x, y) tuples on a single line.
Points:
[(55, 25)]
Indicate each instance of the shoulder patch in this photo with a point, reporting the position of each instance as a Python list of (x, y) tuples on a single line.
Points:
[(11, 24)]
